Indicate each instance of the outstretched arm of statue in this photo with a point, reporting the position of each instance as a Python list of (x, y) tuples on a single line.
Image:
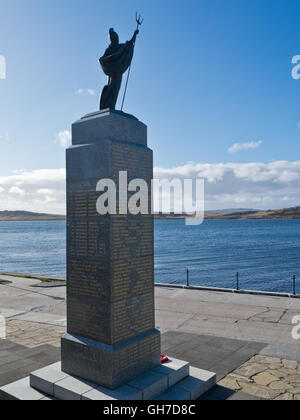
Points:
[(135, 35)]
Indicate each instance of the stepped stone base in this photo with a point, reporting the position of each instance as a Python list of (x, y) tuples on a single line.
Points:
[(173, 381), (110, 366)]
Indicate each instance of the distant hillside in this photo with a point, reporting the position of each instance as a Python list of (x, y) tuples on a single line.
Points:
[(291, 213), (10, 216), (208, 214), (230, 211)]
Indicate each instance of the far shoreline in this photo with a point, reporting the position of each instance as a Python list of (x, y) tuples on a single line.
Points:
[(282, 214)]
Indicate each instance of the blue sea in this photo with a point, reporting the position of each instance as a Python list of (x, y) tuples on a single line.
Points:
[(266, 253)]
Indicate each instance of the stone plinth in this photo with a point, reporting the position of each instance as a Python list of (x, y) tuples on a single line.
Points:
[(174, 381), (111, 336)]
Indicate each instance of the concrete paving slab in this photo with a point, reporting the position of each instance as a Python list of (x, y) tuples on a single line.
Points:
[(283, 351), (228, 298), (236, 316), (42, 318), (222, 310)]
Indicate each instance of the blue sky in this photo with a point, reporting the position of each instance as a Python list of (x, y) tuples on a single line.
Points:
[(207, 74)]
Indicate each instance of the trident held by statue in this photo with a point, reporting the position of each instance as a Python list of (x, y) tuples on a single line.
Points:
[(139, 22)]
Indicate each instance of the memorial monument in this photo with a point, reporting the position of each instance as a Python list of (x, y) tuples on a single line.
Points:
[(111, 349)]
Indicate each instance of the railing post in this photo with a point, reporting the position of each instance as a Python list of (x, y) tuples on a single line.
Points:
[(237, 282), (187, 277), (294, 285)]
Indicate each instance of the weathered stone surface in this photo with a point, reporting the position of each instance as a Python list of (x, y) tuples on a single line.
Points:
[(268, 360), (294, 379), (290, 364), (278, 379), (286, 372), (285, 397), (275, 366), (280, 386), (230, 383), (260, 391), (276, 373), (264, 379), (251, 370), (240, 379)]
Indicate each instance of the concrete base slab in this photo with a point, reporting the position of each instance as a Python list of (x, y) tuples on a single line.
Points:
[(44, 379), (151, 384), (172, 381), (198, 383), (20, 391), (175, 394), (176, 370), (124, 393)]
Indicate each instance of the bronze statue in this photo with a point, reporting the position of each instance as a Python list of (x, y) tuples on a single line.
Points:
[(115, 62)]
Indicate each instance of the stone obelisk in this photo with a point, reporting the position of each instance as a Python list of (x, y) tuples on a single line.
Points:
[(111, 336)]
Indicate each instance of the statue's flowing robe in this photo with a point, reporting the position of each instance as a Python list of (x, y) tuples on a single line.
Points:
[(117, 59)]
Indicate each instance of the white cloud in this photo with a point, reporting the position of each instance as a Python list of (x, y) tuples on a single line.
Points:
[(40, 190), (85, 92), (244, 146), (4, 137), (227, 185), (261, 185), (18, 171), (45, 191), (64, 138), (16, 190)]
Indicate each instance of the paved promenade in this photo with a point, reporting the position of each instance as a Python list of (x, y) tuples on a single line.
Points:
[(246, 338)]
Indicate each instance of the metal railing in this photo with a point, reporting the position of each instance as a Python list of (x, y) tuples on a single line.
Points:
[(238, 282)]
